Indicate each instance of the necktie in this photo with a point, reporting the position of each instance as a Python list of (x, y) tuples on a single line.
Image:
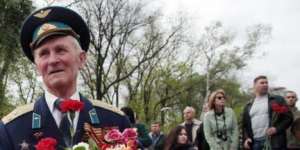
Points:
[(65, 126)]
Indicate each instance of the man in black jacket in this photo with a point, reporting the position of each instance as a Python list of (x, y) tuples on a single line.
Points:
[(259, 123), (158, 137)]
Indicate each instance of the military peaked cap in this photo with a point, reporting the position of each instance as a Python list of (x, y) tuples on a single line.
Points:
[(49, 21)]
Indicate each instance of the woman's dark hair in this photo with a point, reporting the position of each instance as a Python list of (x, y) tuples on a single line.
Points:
[(129, 113), (171, 140)]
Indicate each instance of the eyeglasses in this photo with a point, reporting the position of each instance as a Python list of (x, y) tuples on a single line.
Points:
[(220, 97)]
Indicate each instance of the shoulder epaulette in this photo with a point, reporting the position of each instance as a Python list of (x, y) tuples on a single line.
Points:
[(104, 105), (19, 111)]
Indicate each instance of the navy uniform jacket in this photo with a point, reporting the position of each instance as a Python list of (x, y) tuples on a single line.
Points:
[(23, 127)]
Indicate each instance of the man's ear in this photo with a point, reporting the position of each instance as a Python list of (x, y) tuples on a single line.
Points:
[(36, 68), (82, 59)]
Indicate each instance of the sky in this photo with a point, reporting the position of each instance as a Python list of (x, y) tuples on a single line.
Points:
[(280, 62)]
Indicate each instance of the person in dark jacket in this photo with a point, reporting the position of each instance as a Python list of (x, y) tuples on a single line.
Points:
[(295, 129), (291, 99), (56, 40), (144, 139), (177, 139), (200, 141), (158, 137), (258, 123)]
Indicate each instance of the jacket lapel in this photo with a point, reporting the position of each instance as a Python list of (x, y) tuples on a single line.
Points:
[(48, 126)]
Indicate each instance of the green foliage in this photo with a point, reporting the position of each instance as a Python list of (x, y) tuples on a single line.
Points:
[(12, 13), (175, 88), (5, 108)]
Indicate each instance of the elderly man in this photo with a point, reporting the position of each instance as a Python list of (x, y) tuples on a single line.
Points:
[(191, 124), (258, 123), (291, 99), (56, 40)]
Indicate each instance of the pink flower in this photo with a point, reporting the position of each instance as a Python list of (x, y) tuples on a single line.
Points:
[(113, 135), (46, 144), (71, 105), (129, 133)]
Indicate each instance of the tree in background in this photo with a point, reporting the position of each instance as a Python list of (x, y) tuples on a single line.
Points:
[(123, 34), (162, 91), (24, 79), (12, 13), (133, 48), (220, 56)]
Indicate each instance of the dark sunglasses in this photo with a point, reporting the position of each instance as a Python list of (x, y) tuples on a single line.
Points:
[(220, 97)]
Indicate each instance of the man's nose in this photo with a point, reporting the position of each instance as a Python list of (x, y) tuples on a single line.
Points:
[(53, 58)]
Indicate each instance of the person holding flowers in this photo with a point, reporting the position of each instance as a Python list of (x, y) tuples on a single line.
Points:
[(56, 40), (265, 119)]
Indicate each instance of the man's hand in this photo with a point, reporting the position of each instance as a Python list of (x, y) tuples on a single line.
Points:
[(247, 143), (271, 131)]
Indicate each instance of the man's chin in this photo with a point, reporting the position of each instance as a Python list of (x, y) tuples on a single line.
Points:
[(57, 82)]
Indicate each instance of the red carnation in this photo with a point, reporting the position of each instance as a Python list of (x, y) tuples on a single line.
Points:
[(46, 144), (70, 105), (279, 108)]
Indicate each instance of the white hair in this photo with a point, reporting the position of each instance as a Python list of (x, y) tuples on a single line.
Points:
[(189, 108)]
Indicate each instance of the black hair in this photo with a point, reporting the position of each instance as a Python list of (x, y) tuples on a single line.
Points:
[(129, 113), (259, 77)]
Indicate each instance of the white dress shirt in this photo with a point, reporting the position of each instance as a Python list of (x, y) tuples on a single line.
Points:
[(57, 115)]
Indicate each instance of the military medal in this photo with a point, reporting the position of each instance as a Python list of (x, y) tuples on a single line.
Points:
[(38, 135), (24, 145)]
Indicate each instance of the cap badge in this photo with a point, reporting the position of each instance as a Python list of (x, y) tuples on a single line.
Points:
[(45, 27), (42, 13)]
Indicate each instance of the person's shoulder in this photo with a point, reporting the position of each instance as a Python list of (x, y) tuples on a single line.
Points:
[(197, 122), (228, 109), (102, 105), (140, 126), (277, 98), (210, 113), (18, 112)]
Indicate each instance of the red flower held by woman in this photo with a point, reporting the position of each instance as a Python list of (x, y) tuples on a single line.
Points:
[(71, 105), (279, 108), (46, 144)]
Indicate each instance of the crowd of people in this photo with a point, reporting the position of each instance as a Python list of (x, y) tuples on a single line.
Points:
[(268, 122), (56, 40)]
